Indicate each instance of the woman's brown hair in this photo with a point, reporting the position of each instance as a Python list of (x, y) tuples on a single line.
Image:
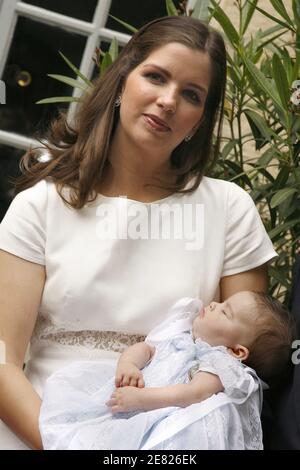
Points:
[(79, 152)]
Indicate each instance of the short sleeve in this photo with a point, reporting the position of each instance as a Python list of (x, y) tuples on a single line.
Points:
[(238, 380), (23, 229), (247, 244)]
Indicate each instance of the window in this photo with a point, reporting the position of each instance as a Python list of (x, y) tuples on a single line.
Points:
[(83, 10), (33, 54)]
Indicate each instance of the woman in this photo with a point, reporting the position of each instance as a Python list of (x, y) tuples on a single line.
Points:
[(79, 278)]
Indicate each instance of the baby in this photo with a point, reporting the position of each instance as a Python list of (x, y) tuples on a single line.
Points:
[(198, 381), (254, 328)]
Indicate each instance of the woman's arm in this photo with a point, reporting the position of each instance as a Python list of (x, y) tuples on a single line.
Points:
[(21, 287), (254, 280), (202, 386), (130, 362)]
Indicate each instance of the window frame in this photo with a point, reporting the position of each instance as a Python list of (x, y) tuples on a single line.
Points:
[(94, 31)]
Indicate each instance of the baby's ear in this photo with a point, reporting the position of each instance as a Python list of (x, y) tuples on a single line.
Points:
[(239, 352)]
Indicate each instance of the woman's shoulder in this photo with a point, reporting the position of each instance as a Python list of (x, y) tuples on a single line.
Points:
[(217, 184), (37, 195), (221, 191)]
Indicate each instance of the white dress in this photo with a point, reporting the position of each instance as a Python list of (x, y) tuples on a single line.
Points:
[(74, 415), (105, 292)]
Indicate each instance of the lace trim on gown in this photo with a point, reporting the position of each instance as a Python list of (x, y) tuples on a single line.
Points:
[(115, 341)]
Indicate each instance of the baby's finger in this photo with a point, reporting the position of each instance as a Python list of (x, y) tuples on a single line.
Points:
[(111, 402), (141, 382), (125, 381), (118, 380), (116, 409), (133, 382)]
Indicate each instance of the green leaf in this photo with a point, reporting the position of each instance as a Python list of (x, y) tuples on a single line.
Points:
[(226, 24), (296, 65), (114, 49), (281, 178), (270, 40), (130, 28), (296, 11), (280, 8), (259, 140), (289, 208), (266, 157), (261, 169), (281, 196), (267, 32), (69, 81), (263, 82), (201, 10), (256, 122), (295, 242), (228, 148), (106, 62), (276, 20), (248, 10), (257, 55), (59, 99), (76, 70), (281, 81), (283, 227), (238, 172), (287, 63), (171, 9), (235, 76)]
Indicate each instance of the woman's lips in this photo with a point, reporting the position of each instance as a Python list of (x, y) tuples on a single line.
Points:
[(155, 125)]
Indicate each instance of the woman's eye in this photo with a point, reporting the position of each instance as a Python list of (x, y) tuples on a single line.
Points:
[(223, 311), (155, 76), (193, 96)]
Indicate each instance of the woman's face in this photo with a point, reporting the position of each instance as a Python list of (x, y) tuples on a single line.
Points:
[(171, 85)]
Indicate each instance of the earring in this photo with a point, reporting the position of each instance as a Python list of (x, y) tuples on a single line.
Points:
[(188, 137), (118, 101)]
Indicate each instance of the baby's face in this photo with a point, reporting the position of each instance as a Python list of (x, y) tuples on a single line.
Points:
[(229, 323)]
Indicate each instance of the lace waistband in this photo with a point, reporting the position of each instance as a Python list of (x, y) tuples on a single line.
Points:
[(92, 339)]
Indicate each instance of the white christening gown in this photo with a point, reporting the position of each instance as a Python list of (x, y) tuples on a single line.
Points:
[(74, 414)]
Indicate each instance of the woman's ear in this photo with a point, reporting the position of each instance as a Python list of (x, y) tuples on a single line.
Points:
[(239, 352)]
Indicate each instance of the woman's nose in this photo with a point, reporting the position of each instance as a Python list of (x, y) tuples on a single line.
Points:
[(212, 305), (168, 101)]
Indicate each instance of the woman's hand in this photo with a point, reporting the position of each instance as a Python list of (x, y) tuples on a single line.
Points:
[(128, 374)]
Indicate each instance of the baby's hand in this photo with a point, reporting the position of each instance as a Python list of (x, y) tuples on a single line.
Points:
[(128, 374), (125, 399)]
